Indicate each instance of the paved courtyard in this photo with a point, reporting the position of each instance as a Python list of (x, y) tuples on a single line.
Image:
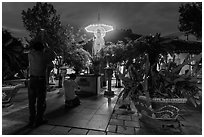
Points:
[(97, 115)]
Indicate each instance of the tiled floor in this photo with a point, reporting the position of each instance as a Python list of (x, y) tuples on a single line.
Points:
[(97, 115), (77, 131), (93, 113), (92, 132)]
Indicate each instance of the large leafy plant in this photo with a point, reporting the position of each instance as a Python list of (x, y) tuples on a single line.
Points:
[(164, 83), (14, 60), (144, 79), (174, 85), (133, 77)]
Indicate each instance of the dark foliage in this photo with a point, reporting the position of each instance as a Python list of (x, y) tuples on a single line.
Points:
[(43, 22), (14, 60), (191, 19)]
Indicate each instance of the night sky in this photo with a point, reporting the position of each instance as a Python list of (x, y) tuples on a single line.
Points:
[(142, 18)]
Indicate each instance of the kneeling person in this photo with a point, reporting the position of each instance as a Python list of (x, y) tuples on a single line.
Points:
[(70, 86)]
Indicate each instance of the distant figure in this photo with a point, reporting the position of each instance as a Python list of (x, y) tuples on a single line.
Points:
[(38, 61), (52, 77), (50, 66), (118, 83), (70, 86)]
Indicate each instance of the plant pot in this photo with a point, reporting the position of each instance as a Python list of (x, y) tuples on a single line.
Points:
[(161, 117), (9, 93), (160, 102)]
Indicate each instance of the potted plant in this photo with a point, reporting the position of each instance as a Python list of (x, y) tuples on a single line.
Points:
[(158, 95)]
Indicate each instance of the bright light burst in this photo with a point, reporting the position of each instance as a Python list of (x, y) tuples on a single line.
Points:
[(99, 31), (93, 28)]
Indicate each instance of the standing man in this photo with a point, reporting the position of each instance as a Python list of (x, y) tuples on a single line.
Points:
[(38, 61)]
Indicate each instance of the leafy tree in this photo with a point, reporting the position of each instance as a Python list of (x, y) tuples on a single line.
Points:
[(127, 52), (14, 60), (191, 19), (62, 39), (43, 16), (72, 38), (78, 59), (88, 46), (114, 53)]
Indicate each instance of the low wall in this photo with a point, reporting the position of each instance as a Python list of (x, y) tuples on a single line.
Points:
[(89, 84)]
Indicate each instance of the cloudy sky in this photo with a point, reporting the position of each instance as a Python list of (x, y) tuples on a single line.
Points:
[(142, 18)]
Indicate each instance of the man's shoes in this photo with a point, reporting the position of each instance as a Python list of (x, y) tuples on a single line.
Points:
[(40, 122), (30, 124), (72, 103), (124, 106), (69, 104)]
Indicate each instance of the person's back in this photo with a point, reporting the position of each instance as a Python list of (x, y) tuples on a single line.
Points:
[(37, 66), (70, 86)]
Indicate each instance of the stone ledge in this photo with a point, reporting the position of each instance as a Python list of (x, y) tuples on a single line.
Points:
[(93, 132), (111, 128), (124, 117), (126, 130), (132, 124), (116, 122), (76, 131)]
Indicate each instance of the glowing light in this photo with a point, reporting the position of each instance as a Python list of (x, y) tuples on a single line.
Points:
[(99, 31), (102, 27)]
